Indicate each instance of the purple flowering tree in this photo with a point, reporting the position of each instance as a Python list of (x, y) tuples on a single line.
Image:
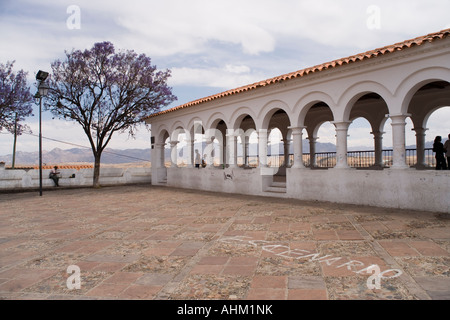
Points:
[(106, 92), (15, 101)]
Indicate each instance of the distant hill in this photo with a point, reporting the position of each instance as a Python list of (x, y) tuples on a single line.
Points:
[(113, 156), (109, 156)]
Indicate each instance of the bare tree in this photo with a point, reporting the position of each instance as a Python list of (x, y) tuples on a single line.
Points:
[(106, 92)]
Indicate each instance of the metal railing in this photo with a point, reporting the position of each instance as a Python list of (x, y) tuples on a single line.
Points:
[(355, 159)]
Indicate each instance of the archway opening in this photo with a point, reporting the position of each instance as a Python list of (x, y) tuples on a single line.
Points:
[(429, 109), (321, 137), (278, 142), (438, 124), (361, 151), (246, 142), (366, 137)]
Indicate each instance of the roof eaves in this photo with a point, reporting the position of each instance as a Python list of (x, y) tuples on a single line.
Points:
[(318, 68)]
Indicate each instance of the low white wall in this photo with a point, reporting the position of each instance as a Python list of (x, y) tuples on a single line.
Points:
[(426, 190), (22, 179), (405, 189), (218, 180)]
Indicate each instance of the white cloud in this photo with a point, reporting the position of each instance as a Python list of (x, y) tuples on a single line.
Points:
[(188, 26), (215, 43), (227, 77)]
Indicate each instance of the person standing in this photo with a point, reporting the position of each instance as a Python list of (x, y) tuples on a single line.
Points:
[(198, 159), (447, 151), (438, 148)]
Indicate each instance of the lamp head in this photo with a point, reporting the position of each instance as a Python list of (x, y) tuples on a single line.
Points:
[(41, 75), (43, 89)]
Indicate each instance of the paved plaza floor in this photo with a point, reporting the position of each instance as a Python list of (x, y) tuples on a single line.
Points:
[(146, 242)]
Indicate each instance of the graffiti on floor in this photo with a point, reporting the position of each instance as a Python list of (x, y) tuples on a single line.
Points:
[(281, 250)]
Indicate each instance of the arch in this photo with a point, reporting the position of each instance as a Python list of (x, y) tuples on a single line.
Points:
[(357, 91), (275, 149), (177, 125), (269, 110), (358, 135), (360, 114), (316, 117), (422, 107), (239, 115), (240, 129), (432, 133), (308, 101), (214, 120), (162, 135), (161, 138), (370, 106), (433, 110), (416, 80), (195, 123), (177, 129), (315, 131)]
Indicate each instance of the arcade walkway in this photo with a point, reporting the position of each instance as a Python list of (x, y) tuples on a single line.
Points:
[(144, 242)]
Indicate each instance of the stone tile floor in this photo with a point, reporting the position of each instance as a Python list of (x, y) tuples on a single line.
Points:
[(146, 242)]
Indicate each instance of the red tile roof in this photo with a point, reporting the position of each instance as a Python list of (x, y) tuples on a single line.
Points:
[(46, 167), (328, 65)]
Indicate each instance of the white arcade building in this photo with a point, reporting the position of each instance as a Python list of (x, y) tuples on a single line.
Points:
[(385, 86)]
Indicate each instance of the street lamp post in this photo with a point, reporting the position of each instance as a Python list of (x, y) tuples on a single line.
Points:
[(41, 76)]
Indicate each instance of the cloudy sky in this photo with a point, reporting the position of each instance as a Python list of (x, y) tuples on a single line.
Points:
[(209, 45)]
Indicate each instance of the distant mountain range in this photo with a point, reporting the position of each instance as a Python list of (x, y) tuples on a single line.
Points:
[(109, 156), (113, 156)]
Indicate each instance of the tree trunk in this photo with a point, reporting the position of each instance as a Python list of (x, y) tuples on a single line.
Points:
[(96, 182), (14, 144)]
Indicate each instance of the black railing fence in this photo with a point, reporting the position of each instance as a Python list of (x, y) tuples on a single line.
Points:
[(356, 159)]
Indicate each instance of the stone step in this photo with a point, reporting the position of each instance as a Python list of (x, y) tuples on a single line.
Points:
[(278, 184), (275, 189)]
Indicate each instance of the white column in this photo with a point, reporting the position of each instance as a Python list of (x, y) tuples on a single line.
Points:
[(173, 154), (398, 136), (159, 155), (246, 152), (262, 147), (341, 144), (190, 153), (286, 147), (312, 151), (209, 151), (378, 143), (420, 142), (297, 140), (231, 148)]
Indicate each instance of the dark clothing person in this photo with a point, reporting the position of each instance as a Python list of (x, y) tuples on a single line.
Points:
[(438, 148), (447, 148), (54, 175), (198, 159)]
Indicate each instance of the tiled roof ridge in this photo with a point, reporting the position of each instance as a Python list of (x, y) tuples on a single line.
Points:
[(47, 167), (418, 41)]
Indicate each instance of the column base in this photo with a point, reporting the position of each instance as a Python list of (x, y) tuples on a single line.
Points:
[(399, 167), (342, 167)]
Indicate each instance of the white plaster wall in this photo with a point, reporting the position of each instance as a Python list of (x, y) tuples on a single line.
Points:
[(19, 179), (242, 181), (407, 189)]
